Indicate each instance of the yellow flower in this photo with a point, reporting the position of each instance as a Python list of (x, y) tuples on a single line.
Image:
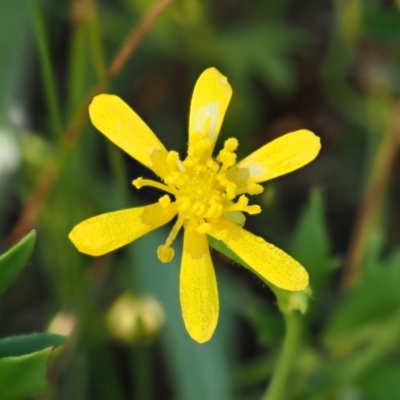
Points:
[(208, 196)]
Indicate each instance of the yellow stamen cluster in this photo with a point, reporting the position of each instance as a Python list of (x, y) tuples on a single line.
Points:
[(202, 190)]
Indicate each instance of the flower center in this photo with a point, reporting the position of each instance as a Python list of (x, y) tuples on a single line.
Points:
[(201, 188)]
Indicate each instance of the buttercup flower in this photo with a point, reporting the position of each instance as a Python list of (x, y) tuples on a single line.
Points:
[(207, 195)]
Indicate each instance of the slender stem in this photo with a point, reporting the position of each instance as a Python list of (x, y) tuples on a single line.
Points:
[(277, 386), (345, 42), (47, 70), (373, 199), (116, 156), (136, 36), (141, 368), (96, 43), (128, 47), (36, 199)]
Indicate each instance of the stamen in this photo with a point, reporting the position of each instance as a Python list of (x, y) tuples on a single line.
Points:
[(212, 165), (203, 144), (227, 155), (164, 252), (140, 182), (164, 201), (172, 160), (189, 162), (251, 189), (231, 191), (254, 209), (214, 211), (231, 144), (178, 225), (243, 201), (179, 164), (242, 205), (203, 191), (199, 168), (204, 227), (171, 178), (198, 208), (183, 203), (181, 181)]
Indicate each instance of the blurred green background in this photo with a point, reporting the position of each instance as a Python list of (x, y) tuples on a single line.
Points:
[(328, 66)]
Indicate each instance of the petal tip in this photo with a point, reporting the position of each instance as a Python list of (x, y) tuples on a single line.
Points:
[(79, 240), (312, 137), (202, 335), (99, 99), (212, 74), (298, 283)]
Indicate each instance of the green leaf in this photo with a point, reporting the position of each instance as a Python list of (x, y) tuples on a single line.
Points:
[(382, 26), (16, 346), (365, 310), (23, 364), (310, 243), (382, 383), (262, 315), (12, 262)]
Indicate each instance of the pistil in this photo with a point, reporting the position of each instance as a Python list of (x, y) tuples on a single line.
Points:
[(202, 190)]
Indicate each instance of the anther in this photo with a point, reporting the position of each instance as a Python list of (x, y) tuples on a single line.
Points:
[(243, 201), (231, 191), (165, 253), (138, 183), (172, 160), (214, 211), (164, 201), (231, 144), (189, 162), (198, 208), (183, 203), (172, 178), (251, 189), (181, 181), (204, 227), (254, 209)]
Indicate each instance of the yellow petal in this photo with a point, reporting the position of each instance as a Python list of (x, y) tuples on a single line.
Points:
[(120, 124), (107, 232), (281, 156), (198, 287), (210, 100), (266, 260)]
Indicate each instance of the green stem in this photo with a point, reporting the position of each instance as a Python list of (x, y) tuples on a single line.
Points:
[(116, 156), (277, 386), (141, 368), (47, 70), (97, 49)]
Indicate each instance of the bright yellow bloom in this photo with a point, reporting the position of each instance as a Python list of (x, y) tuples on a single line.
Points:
[(208, 196)]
